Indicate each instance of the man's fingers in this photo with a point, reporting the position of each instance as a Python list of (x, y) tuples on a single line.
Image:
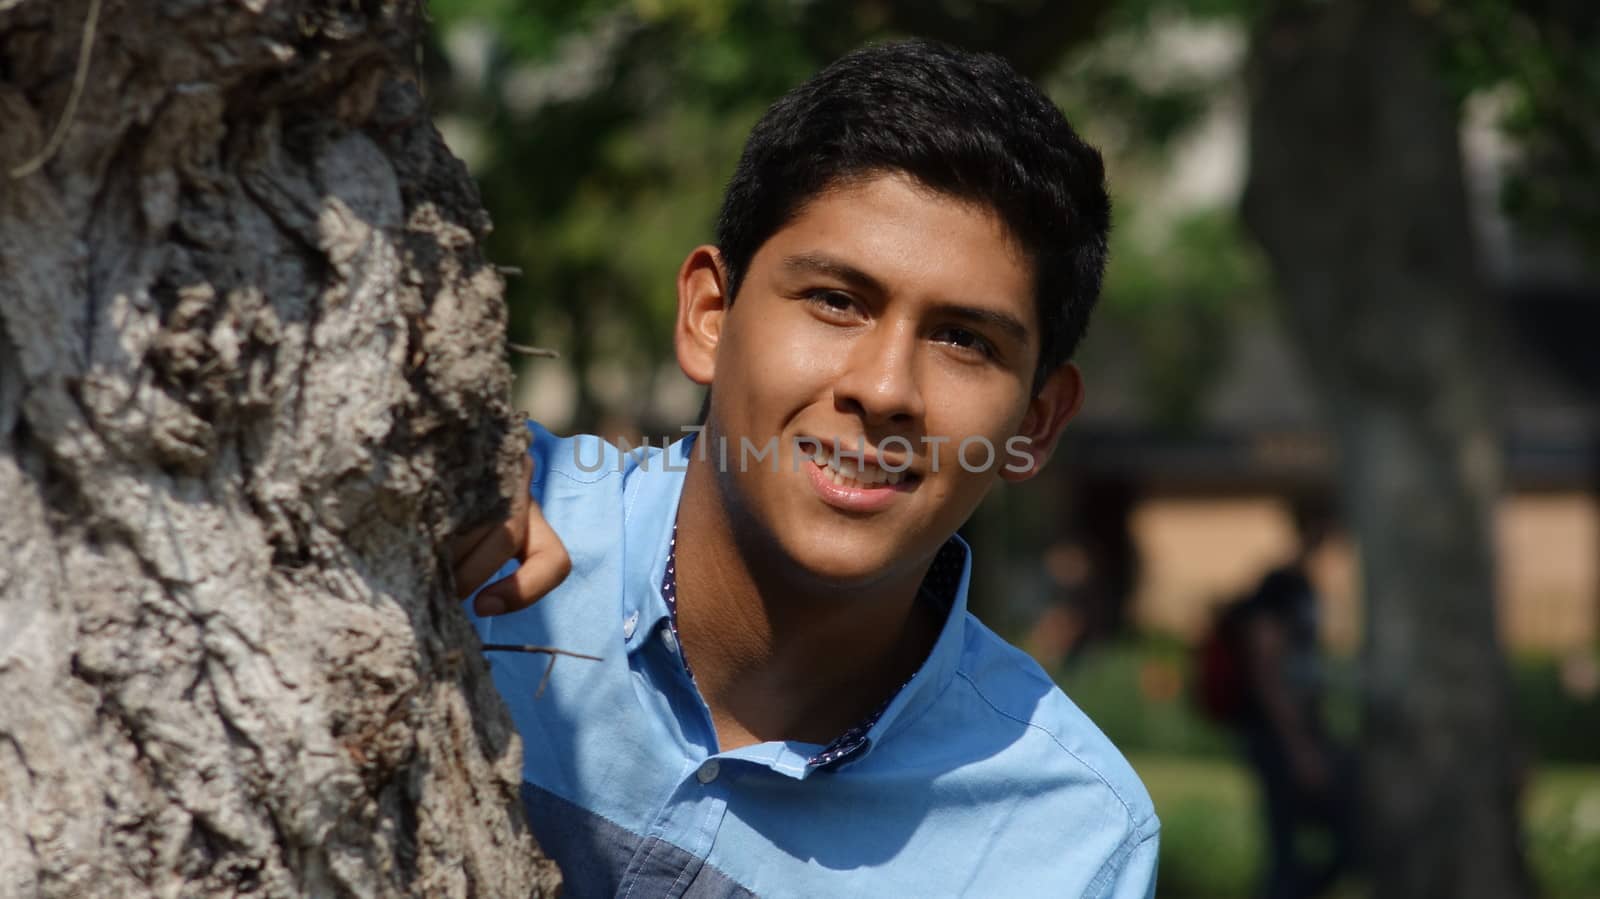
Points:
[(486, 556), (544, 567), (526, 536), (462, 546)]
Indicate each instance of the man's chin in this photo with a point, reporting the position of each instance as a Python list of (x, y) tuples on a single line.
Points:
[(846, 565)]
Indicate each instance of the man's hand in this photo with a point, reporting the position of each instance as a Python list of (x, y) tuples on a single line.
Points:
[(525, 536)]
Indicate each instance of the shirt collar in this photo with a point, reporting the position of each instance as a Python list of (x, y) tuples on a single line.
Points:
[(653, 489), (950, 574)]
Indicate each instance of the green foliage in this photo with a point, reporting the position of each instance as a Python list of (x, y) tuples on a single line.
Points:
[(1138, 13), (1112, 684), (608, 128), (1211, 832), (1211, 835), (600, 184), (1560, 726), (1181, 301), (524, 29), (1210, 829), (1563, 832), (1540, 56), (1149, 118), (1123, 687), (1183, 277)]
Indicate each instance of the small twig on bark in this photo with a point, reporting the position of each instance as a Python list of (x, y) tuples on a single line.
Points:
[(548, 650), (525, 350), (79, 79)]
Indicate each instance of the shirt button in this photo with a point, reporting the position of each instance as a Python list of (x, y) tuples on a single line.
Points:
[(668, 640), (708, 772), (629, 625)]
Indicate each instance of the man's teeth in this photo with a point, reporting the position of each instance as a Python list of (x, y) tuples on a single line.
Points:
[(850, 472)]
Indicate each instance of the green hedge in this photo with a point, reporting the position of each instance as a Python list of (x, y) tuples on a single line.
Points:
[(1138, 692), (1561, 727), (1211, 832)]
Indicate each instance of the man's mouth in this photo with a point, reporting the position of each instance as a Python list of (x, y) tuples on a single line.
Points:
[(857, 471)]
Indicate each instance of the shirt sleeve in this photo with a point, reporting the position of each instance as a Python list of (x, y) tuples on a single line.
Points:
[(1136, 876)]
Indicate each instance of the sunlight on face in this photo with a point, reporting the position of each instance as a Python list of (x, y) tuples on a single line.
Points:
[(885, 316)]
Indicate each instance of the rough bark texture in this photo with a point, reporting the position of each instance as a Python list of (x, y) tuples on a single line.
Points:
[(251, 376), (1356, 193)]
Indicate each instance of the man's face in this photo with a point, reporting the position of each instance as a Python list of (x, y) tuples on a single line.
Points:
[(888, 318)]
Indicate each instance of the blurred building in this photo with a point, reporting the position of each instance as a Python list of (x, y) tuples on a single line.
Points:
[(1205, 515), (1208, 516)]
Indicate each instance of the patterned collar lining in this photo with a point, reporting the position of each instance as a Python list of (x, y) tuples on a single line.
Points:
[(939, 587)]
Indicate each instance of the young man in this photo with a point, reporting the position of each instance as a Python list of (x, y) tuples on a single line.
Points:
[(791, 698)]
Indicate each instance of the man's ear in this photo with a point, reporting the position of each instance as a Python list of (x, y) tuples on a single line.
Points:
[(702, 305), (1058, 399)]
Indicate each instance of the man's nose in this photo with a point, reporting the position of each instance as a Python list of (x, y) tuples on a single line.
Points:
[(880, 381)]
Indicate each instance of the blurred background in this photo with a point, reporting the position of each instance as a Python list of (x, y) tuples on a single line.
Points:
[(1354, 257)]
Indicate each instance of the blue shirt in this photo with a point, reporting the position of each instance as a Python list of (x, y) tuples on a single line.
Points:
[(979, 777)]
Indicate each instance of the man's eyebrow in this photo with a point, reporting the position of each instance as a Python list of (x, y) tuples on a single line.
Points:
[(821, 263)]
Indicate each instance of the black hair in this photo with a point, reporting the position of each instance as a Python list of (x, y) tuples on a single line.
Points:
[(964, 124), (1315, 513)]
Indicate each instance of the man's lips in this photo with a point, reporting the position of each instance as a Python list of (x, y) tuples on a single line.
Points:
[(853, 496), (856, 465)]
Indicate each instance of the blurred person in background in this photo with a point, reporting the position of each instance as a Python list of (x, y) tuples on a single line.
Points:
[(1307, 781)]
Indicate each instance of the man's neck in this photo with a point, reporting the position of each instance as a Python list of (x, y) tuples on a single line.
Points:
[(777, 653)]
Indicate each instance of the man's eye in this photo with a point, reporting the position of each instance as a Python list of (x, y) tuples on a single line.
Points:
[(967, 341), (832, 300)]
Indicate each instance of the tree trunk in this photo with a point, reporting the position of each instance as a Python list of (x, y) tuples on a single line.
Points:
[(251, 376), (1356, 194)]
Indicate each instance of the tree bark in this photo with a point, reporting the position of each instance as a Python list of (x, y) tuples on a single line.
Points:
[(1356, 194), (251, 376)]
